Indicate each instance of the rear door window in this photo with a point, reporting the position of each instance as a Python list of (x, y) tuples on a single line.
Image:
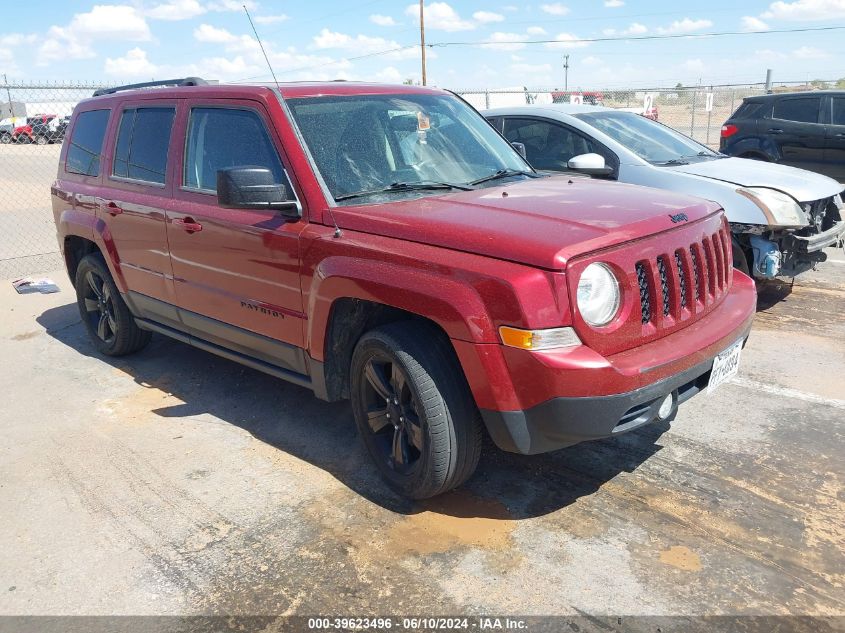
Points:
[(838, 111), (142, 142), (799, 109), (86, 143), (221, 138)]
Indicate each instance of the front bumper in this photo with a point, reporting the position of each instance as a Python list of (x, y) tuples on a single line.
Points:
[(576, 395), (562, 422), (814, 243)]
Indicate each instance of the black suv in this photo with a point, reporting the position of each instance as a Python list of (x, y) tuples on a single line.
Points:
[(802, 129)]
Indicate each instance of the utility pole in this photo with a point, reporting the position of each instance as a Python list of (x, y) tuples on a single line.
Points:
[(566, 72), (769, 81), (8, 95), (422, 39)]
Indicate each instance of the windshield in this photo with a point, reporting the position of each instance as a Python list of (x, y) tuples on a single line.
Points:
[(366, 143), (648, 139)]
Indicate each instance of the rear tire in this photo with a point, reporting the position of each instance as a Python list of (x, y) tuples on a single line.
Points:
[(414, 410), (5, 138), (40, 140), (105, 315)]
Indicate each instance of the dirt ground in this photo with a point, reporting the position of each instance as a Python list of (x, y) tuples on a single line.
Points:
[(176, 482)]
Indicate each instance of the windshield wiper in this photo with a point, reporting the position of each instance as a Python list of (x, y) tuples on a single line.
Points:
[(504, 173), (422, 185), (674, 161)]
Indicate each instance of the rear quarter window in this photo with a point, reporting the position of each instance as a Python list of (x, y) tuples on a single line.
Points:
[(86, 143), (750, 110)]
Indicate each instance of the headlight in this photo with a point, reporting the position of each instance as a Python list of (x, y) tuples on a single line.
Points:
[(779, 208), (598, 294)]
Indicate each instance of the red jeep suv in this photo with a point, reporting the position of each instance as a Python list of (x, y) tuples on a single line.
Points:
[(384, 244)]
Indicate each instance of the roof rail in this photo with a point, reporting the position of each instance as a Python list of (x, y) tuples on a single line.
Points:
[(186, 81)]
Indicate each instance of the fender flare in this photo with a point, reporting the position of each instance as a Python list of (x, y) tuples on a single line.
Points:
[(456, 307), (75, 222)]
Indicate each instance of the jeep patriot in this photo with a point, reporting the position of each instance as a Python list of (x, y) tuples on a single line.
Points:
[(384, 244)]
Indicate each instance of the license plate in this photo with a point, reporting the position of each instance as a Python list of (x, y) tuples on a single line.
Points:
[(725, 366)]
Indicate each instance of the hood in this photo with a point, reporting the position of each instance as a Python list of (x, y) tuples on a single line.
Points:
[(540, 222), (803, 185)]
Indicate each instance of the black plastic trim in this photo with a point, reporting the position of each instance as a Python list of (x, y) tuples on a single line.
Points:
[(564, 421)]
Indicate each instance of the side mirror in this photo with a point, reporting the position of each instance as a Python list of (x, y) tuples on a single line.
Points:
[(591, 164), (254, 188), (520, 147)]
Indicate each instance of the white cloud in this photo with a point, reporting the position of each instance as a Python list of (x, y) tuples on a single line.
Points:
[(608, 32), (566, 40), (175, 10), (271, 19), (389, 75), (487, 17), (750, 23), (686, 25), (555, 8), (613, 4), (809, 52), (213, 35), (590, 60), (440, 16), (231, 5), (802, 10), (103, 22), (133, 64), (536, 30), (510, 8), (635, 29), (501, 41), (382, 20), (17, 39), (364, 44)]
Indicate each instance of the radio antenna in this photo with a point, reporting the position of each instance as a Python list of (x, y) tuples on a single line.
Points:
[(337, 231), (266, 59)]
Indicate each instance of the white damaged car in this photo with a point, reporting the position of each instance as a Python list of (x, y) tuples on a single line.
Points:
[(782, 218)]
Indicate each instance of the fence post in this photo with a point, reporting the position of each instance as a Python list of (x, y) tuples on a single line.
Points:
[(487, 99), (692, 119), (710, 116)]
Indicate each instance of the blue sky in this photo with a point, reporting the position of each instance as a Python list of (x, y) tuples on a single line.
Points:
[(138, 40)]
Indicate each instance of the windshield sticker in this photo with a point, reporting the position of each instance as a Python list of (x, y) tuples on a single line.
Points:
[(423, 122)]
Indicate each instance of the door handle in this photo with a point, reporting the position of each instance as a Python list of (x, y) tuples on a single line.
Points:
[(109, 206), (775, 130), (188, 224)]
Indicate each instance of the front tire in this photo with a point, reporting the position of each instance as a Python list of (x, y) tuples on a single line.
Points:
[(413, 409), (110, 325)]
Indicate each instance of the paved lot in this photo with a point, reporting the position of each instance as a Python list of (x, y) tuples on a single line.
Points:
[(174, 482)]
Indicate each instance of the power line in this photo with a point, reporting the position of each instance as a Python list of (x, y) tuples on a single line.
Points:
[(638, 38), (626, 38)]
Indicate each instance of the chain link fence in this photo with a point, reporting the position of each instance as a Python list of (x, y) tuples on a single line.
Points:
[(33, 115), (32, 121)]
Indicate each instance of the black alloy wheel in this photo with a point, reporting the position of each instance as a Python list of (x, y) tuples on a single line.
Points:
[(99, 307), (110, 324), (413, 408), (392, 413)]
